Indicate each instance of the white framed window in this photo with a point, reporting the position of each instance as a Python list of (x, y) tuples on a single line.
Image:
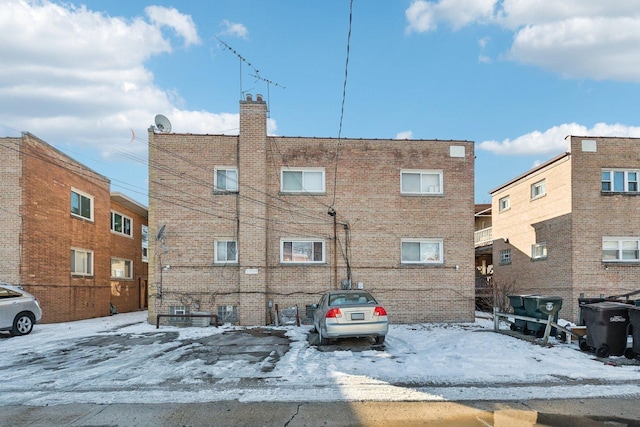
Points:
[(145, 243), (121, 268), (422, 251), (620, 181), (421, 182), (225, 251), (505, 256), (298, 180), (225, 179), (621, 249), (81, 204), (538, 189), (504, 204), (121, 224), (302, 251), (81, 262), (539, 251)]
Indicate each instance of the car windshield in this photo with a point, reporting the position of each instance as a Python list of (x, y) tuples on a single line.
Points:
[(351, 299)]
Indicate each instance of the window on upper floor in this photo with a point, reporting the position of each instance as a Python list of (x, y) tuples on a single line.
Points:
[(302, 251), (539, 251), (121, 268), (225, 251), (81, 262), (145, 243), (505, 256), (617, 249), (620, 181), (303, 180), (538, 189), (422, 251), (121, 224), (226, 179), (421, 182), (504, 203), (81, 205)]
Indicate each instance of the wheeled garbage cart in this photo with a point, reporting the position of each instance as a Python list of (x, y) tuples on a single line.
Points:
[(539, 307), (634, 321), (606, 324)]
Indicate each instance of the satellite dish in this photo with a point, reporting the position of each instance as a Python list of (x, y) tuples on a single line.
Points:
[(163, 124), (160, 234)]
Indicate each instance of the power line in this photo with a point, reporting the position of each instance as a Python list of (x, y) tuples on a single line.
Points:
[(344, 96)]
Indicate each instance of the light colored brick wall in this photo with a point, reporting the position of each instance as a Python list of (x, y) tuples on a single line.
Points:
[(597, 215), (545, 219), (367, 200), (10, 216), (49, 233), (129, 294), (572, 219)]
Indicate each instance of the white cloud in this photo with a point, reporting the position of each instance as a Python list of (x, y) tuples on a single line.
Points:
[(573, 38), (82, 80), (552, 141), (234, 29), (183, 25), (407, 134), (423, 15)]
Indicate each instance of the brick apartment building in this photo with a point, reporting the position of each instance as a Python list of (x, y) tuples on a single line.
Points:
[(129, 254), (571, 225), (240, 224), (55, 232)]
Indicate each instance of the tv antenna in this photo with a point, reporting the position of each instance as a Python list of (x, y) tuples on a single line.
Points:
[(162, 124), (257, 72)]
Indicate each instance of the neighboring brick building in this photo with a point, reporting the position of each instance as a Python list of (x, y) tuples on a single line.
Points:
[(129, 254), (240, 224), (570, 226), (55, 237)]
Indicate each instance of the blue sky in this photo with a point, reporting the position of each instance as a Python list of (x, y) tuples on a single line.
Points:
[(514, 76)]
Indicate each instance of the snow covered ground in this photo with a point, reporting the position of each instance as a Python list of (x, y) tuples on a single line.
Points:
[(124, 359)]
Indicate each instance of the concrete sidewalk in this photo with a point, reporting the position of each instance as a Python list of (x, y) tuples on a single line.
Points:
[(584, 412)]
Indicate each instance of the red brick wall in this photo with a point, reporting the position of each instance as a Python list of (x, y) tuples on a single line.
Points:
[(129, 294), (50, 231)]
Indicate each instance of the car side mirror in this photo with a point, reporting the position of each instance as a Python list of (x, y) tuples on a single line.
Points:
[(314, 306)]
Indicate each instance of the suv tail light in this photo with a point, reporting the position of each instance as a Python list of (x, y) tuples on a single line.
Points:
[(333, 313), (379, 311)]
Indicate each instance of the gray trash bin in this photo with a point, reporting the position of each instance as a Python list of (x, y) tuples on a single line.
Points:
[(606, 324), (634, 321)]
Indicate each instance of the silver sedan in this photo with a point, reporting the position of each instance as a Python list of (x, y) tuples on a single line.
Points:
[(19, 310), (349, 313)]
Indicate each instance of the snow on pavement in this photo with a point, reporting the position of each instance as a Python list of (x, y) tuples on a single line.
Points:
[(124, 359)]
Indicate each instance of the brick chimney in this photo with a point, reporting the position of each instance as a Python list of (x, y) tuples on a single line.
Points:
[(252, 231)]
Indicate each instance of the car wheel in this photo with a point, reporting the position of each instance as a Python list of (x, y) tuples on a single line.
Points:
[(629, 354), (322, 340), (22, 324), (380, 340)]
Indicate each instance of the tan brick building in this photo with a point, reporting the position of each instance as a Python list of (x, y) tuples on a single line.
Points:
[(240, 224), (571, 225), (55, 237)]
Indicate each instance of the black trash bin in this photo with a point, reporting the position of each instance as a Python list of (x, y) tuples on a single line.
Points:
[(517, 303), (634, 320), (606, 324), (584, 301), (539, 307)]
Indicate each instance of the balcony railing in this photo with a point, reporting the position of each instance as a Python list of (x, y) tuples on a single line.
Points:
[(482, 237)]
